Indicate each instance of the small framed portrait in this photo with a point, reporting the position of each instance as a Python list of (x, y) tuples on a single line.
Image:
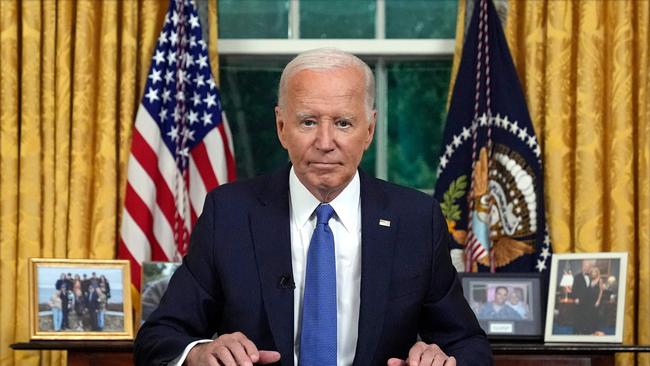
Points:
[(586, 298), (155, 278), (80, 299), (507, 305)]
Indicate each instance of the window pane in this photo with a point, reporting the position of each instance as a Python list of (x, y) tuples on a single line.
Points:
[(337, 18), (369, 158), (421, 18), (249, 93), (253, 18), (417, 97)]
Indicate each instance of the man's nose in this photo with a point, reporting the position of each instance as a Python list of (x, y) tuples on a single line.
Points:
[(325, 137)]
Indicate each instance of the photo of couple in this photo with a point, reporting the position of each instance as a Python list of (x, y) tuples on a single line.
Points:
[(500, 301), (587, 297)]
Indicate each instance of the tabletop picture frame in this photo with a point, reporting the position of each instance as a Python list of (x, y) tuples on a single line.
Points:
[(507, 305), (155, 278), (80, 299), (586, 299)]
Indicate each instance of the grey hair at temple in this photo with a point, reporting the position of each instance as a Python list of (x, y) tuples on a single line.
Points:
[(327, 59)]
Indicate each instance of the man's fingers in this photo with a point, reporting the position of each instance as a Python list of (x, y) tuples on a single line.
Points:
[(396, 362), (223, 355), (239, 353), (249, 348), (415, 353), (429, 358), (266, 357), (451, 361)]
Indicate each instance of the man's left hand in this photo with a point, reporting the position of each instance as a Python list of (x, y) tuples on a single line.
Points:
[(422, 354)]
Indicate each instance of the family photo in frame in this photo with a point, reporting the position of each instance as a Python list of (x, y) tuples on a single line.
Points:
[(586, 298), (506, 305), (80, 299)]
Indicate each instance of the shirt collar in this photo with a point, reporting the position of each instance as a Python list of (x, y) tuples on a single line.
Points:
[(345, 205)]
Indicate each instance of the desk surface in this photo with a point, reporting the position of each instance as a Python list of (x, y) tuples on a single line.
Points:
[(497, 347)]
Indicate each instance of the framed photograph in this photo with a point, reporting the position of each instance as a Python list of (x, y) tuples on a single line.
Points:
[(586, 298), (80, 299), (155, 278), (507, 305)]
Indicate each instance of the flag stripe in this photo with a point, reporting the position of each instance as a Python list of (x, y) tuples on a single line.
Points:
[(198, 189), (230, 160), (141, 215), (215, 158), (144, 187), (134, 239), (201, 161), (124, 252), (147, 158)]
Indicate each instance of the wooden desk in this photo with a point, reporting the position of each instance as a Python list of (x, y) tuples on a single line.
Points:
[(118, 353), (86, 353), (560, 354)]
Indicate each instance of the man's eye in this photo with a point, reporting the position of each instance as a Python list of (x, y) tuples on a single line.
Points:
[(343, 123), (309, 123)]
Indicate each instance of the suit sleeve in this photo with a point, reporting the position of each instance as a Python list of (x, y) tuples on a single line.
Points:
[(447, 320), (191, 306)]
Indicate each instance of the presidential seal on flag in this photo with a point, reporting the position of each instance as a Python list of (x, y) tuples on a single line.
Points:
[(490, 180)]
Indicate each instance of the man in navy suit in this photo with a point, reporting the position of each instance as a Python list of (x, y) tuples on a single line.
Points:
[(243, 279)]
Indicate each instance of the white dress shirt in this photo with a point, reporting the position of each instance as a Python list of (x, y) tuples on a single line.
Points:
[(346, 227)]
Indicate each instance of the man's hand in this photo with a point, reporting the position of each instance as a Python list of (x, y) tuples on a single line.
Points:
[(230, 350), (422, 354)]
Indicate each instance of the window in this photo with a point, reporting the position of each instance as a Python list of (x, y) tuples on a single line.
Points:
[(409, 44)]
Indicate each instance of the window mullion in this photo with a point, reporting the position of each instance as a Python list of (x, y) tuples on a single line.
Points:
[(380, 19), (294, 19), (381, 100)]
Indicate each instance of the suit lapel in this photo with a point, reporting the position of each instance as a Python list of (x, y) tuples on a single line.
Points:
[(272, 242), (377, 247)]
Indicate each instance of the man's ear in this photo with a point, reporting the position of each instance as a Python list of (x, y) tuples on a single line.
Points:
[(279, 125)]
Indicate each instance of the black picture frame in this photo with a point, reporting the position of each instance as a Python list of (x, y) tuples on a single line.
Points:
[(519, 316)]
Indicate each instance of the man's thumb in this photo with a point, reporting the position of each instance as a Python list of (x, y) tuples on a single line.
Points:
[(267, 357)]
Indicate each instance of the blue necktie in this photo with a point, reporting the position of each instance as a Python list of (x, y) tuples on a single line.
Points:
[(318, 335)]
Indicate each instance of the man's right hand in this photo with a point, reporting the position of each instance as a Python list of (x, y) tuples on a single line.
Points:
[(230, 349)]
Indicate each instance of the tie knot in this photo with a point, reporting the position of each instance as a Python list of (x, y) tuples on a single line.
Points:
[(324, 213)]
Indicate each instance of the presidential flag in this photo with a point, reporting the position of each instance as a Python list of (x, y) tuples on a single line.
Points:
[(181, 147), (490, 181)]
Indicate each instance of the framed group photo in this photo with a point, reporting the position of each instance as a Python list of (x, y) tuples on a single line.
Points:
[(507, 305), (586, 299), (80, 299)]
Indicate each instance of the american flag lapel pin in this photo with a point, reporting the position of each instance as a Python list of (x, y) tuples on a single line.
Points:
[(383, 222)]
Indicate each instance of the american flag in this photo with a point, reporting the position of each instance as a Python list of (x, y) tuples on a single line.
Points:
[(181, 147)]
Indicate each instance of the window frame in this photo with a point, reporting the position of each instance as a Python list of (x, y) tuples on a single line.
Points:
[(378, 50)]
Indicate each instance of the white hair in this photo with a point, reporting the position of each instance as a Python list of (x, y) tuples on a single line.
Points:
[(327, 59)]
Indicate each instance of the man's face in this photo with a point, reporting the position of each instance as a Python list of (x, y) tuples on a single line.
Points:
[(500, 296), (325, 128), (514, 299), (586, 266)]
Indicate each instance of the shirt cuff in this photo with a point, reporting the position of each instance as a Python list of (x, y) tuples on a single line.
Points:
[(181, 359)]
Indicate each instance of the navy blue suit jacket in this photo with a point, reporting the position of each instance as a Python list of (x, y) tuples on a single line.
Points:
[(234, 278)]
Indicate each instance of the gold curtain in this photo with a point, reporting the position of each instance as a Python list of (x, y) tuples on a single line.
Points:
[(584, 69), (72, 74)]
